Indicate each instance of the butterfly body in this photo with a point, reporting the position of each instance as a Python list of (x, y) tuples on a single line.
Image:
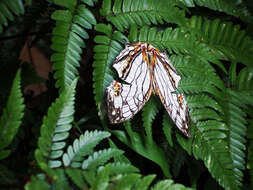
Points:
[(145, 70)]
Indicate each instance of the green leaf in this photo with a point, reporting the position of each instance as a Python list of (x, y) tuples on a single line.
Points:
[(127, 181), (120, 158), (68, 40), (144, 183), (83, 146), (122, 168), (144, 146), (12, 115), (77, 177), (123, 14), (4, 154), (106, 50), (235, 118), (100, 157), (233, 7), (150, 110), (167, 129), (66, 3), (37, 184), (223, 37), (55, 129)]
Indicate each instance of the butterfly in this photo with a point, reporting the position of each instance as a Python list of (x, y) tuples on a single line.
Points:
[(145, 71)]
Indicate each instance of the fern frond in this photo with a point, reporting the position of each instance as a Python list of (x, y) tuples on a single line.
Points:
[(77, 177), (212, 148), (68, 40), (105, 178), (143, 145), (167, 129), (149, 112), (127, 181), (244, 80), (203, 100), (120, 158), (194, 67), (250, 150), (102, 178), (122, 168), (177, 41), (128, 12), (54, 129), (36, 183), (199, 82), (209, 141), (7, 11), (60, 180), (82, 147), (198, 77), (234, 43), (107, 48), (11, 117), (235, 118), (111, 169), (100, 157), (144, 183), (168, 184), (235, 8)]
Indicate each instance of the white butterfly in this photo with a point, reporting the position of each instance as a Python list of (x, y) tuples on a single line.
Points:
[(146, 70)]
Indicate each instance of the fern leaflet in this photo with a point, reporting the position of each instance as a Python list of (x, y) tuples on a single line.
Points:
[(82, 147)]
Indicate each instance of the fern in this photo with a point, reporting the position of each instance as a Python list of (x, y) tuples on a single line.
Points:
[(7, 11), (12, 115), (148, 115), (117, 168), (144, 145), (176, 41), (224, 37), (68, 39), (233, 7), (244, 80), (77, 177), (100, 157), (205, 85), (235, 118), (167, 128), (250, 150), (37, 183), (120, 158), (209, 141), (144, 182), (107, 48), (54, 130), (128, 12), (82, 147), (107, 178)]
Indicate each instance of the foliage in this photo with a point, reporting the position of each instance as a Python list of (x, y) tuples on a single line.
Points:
[(209, 42), (68, 39), (11, 117), (8, 9)]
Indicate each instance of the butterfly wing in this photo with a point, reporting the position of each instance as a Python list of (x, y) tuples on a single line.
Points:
[(166, 80), (125, 100)]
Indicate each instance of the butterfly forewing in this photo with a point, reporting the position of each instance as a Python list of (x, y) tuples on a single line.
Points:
[(125, 100), (166, 81)]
